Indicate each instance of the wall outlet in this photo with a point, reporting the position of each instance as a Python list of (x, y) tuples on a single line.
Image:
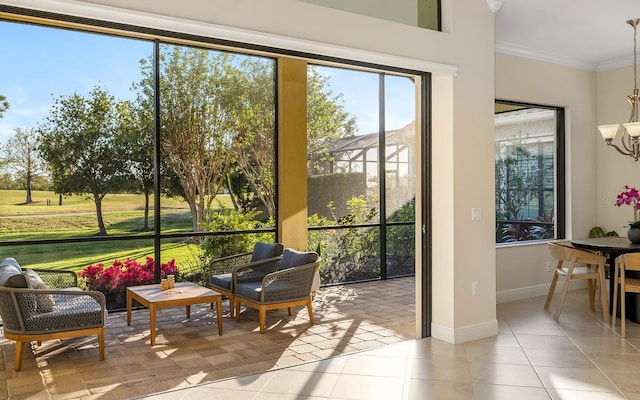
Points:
[(476, 214), (475, 288), (548, 266)]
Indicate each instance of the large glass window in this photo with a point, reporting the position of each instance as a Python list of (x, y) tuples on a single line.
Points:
[(115, 148), (68, 170), (400, 160), (529, 172), (361, 209), (108, 155), (217, 129)]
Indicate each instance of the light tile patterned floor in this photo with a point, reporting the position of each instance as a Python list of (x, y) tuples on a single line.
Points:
[(348, 319), (343, 356), (532, 358)]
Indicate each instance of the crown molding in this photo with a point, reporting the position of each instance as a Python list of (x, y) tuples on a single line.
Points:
[(615, 63), (137, 18), (507, 48)]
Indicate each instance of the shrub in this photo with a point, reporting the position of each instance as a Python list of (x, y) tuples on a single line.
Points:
[(113, 280), (349, 253), (233, 221), (337, 189)]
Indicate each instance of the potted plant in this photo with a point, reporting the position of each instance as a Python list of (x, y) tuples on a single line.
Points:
[(631, 197)]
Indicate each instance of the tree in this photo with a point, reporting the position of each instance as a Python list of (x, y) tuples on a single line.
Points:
[(80, 142), (239, 189), (217, 118), (195, 118), (254, 129), (137, 138), (6, 181), (518, 180), (4, 105), (327, 121), (21, 154)]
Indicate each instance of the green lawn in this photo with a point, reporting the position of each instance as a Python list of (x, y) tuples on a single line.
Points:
[(12, 203), (75, 256), (123, 215)]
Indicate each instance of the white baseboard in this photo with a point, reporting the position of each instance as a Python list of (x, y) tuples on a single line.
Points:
[(490, 328), (465, 333), (505, 296)]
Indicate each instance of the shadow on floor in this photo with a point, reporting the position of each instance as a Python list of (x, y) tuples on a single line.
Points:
[(348, 319)]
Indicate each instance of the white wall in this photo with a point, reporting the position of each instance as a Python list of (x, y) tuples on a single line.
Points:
[(521, 270), (463, 178), (463, 250), (292, 18)]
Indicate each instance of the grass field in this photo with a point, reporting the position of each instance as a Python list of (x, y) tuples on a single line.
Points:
[(12, 203), (123, 214)]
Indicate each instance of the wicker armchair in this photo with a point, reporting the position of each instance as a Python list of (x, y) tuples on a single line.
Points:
[(288, 287), (39, 304), (255, 265)]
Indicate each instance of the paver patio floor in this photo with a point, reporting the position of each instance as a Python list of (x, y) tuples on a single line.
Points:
[(348, 319)]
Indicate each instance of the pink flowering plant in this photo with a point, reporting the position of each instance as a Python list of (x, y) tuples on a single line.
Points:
[(630, 197), (113, 280)]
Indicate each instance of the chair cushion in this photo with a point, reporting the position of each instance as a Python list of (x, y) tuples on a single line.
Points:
[(293, 258), (249, 290), (263, 251), (221, 281), (44, 301), (11, 274), (70, 313)]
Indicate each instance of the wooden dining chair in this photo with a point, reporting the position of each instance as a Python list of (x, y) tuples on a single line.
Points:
[(624, 263), (578, 264)]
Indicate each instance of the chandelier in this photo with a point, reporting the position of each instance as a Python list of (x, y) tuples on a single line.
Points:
[(630, 131)]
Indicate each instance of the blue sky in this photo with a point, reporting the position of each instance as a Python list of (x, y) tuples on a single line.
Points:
[(40, 64), (360, 94)]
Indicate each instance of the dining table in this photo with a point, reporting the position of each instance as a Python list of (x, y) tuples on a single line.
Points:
[(612, 247)]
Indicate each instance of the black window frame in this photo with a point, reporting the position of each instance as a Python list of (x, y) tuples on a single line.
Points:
[(560, 168)]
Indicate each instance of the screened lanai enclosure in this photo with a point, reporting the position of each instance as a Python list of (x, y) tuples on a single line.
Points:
[(364, 224), (186, 137)]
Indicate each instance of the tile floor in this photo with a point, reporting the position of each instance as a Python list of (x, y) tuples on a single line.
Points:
[(532, 357)]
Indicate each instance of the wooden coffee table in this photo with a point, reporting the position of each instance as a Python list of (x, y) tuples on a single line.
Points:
[(183, 294)]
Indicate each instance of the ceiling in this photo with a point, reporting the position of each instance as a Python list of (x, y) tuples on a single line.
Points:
[(587, 34)]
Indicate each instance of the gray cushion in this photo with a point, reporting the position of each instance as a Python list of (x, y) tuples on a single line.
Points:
[(275, 291), (44, 301), (293, 258), (11, 274), (221, 281), (249, 290), (263, 251), (69, 311)]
